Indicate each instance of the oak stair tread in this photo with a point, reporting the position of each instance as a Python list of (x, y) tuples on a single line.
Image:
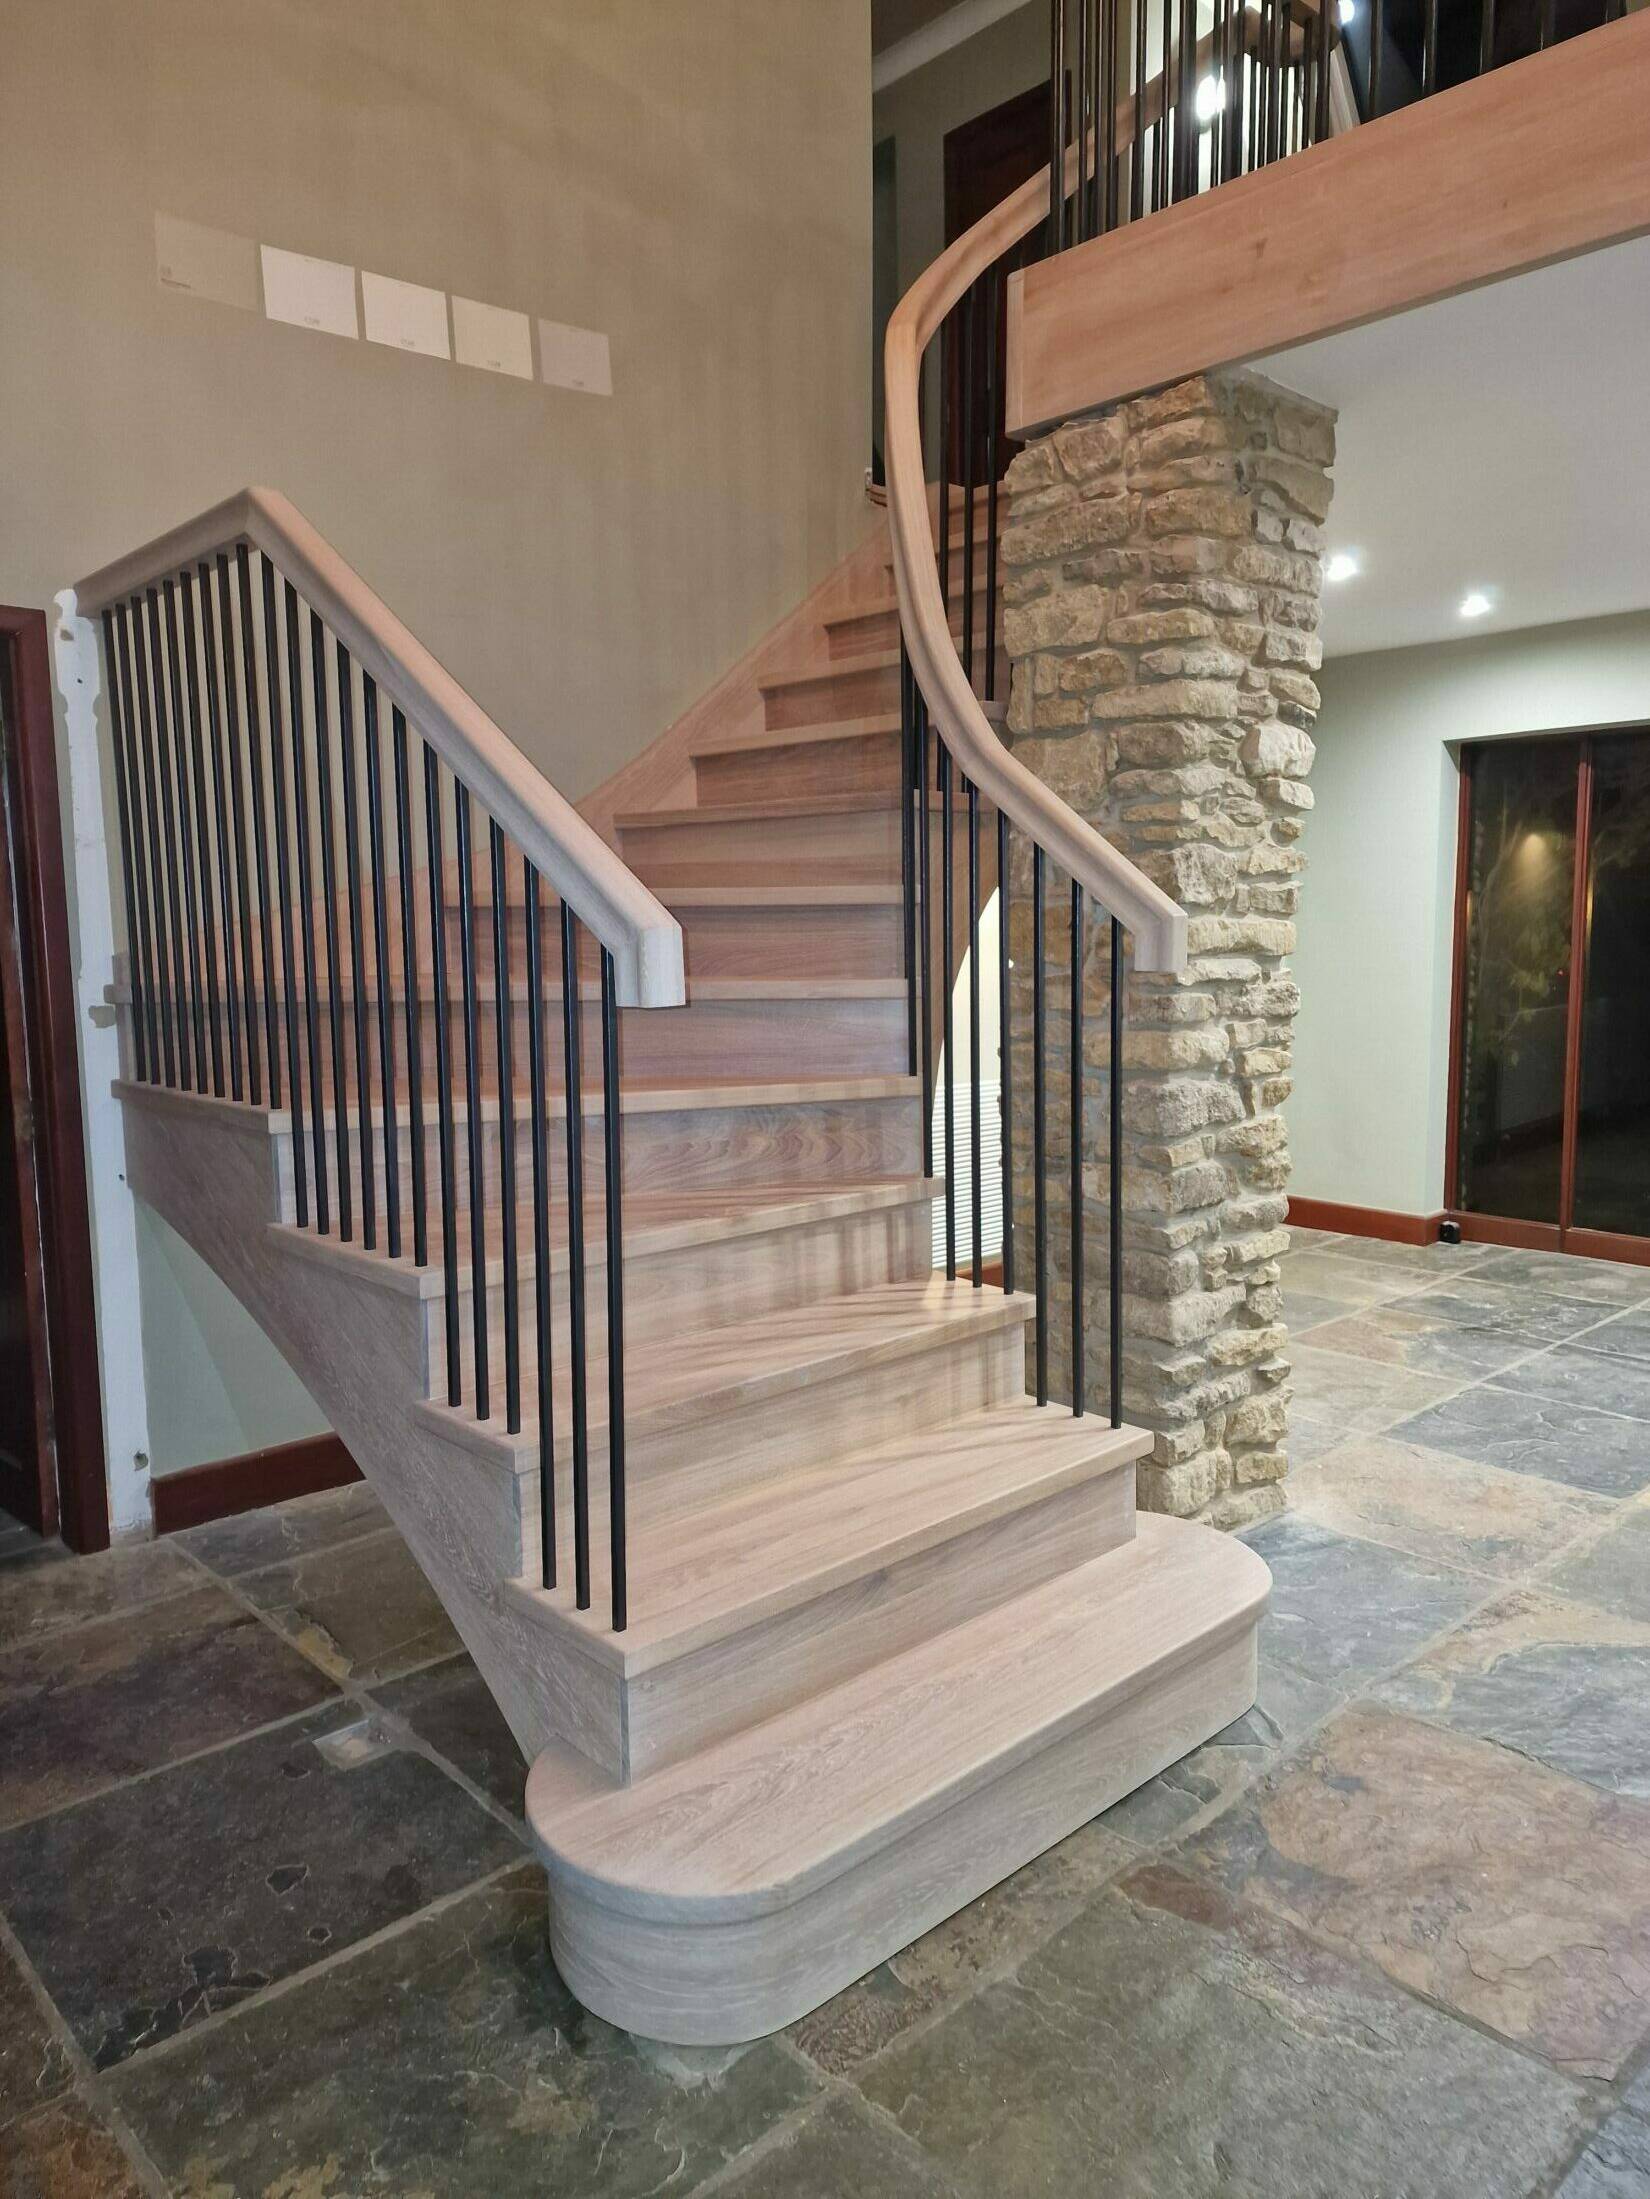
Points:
[(702, 1575), (753, 1823), (747, 739), (860, 801), (702, 1373)]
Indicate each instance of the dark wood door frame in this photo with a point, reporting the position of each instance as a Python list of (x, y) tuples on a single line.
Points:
[(34, 948), (1563, 1235)]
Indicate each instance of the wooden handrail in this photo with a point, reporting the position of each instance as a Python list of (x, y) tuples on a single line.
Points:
[(1156, 923), (644, 939)]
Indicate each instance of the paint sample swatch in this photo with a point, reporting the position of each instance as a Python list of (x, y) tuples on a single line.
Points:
[(492, 336), (575, 358), (207, 263), (309, 293), (405, 315)]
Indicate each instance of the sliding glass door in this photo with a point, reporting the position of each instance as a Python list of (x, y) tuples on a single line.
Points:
[(1551, 1132)]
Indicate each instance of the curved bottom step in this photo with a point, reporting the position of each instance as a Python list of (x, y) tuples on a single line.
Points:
[(725, 1896)]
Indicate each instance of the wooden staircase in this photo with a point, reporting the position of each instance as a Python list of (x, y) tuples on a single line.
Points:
[(893, 1628)]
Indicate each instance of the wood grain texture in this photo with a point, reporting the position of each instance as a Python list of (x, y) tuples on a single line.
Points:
[(1539, 160)]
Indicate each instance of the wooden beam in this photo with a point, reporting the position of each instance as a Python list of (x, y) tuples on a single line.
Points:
[(1538, 161)]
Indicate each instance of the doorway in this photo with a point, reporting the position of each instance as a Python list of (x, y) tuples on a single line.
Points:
[(51, 1414), (1550, 1102)]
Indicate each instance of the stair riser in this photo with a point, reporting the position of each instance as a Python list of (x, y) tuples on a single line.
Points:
[(809, 1142), (850, 694), (763, 941), (697, 1286), (859, 847), (677, 1468), (677, 1708), (703, 1983), (870, 632), (868, 764)]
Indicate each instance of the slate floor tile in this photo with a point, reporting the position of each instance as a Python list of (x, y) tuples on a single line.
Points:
[(1308, 1439), (159, 1903), (81, 1710), (1600, 1282), (363, 1611), (34, 2063), (1425, 1260), (999, 1929), (1615, 2166), (1171, 2043), (446, 2060), (1353, 1392), (1346, 1282), (1343, 1609), (1533, 1435), (1612, 1569), (838, 2152), (1562, 1682), (277, 1531), (449, 1706), (1457, 1332), (1571, 1374), (1434, 1506), (1303, 1311), (1623, 1336), (1491, 1885), (50, 1588), (65, 2152)]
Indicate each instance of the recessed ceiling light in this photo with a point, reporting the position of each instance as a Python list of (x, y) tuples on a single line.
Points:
[(1343, 565), (1346, 11), (1211, 97), (1474, 603)]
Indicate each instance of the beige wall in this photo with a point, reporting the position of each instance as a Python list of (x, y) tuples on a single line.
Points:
[(694, 180)]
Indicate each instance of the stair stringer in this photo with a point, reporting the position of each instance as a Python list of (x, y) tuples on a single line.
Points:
[(211, 1170)]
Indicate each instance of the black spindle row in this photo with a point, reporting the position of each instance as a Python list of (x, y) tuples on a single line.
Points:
[(269, 862)]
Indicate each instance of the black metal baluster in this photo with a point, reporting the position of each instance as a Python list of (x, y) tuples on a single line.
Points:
[(993, 292), (163, 853), (329, 926), (357, 948), (539, 1113), (391, 1110), (1549, 22), (446, 1164), (306, 903), (1165, 106), (502, 1036), (472, 1100), (1080, 103), (975, 1137), (1377, 40), (1005, 1054), (283, 876), (170, 715), (1106, 41), (1039, 1120), (206, 936), (260, 841), (237, 815), (411, 989), (1115, 1187), (1057, 127), (965, 331), (1327, 36), (220, 817), (925, 821), (1486, 36), (1075, 1040), (613, 1161), (1137, 149), (1185, 128), (908, 851), (146, 842), (134, 969), (1429, 48), (572, 1042), (948, 1042)]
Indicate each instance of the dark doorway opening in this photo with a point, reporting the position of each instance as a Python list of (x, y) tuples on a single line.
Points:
[(1550, 1102), (51, 1414)]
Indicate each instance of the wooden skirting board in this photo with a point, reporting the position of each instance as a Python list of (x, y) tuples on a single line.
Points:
[(1365, 1221), (1538, 161), (226, 1486)]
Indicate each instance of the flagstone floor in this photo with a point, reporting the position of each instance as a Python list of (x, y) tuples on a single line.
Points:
[(268, 1925)]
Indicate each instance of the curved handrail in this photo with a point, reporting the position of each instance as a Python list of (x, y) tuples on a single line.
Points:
[(1157, 923), (643, 937)]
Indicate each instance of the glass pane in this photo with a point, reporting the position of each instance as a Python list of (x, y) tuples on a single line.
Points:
[(1520, 883), (1613, 1132)]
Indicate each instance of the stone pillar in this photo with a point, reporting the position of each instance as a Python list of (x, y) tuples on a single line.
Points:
[(1161, 581)]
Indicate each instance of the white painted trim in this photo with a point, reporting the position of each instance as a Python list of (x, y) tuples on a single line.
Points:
[(75, 664), (946, 31)]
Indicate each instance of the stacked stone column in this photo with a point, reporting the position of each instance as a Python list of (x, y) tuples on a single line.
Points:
[(1161, 576)]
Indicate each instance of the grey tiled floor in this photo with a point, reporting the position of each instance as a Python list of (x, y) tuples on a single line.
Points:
[(269, 1925)]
